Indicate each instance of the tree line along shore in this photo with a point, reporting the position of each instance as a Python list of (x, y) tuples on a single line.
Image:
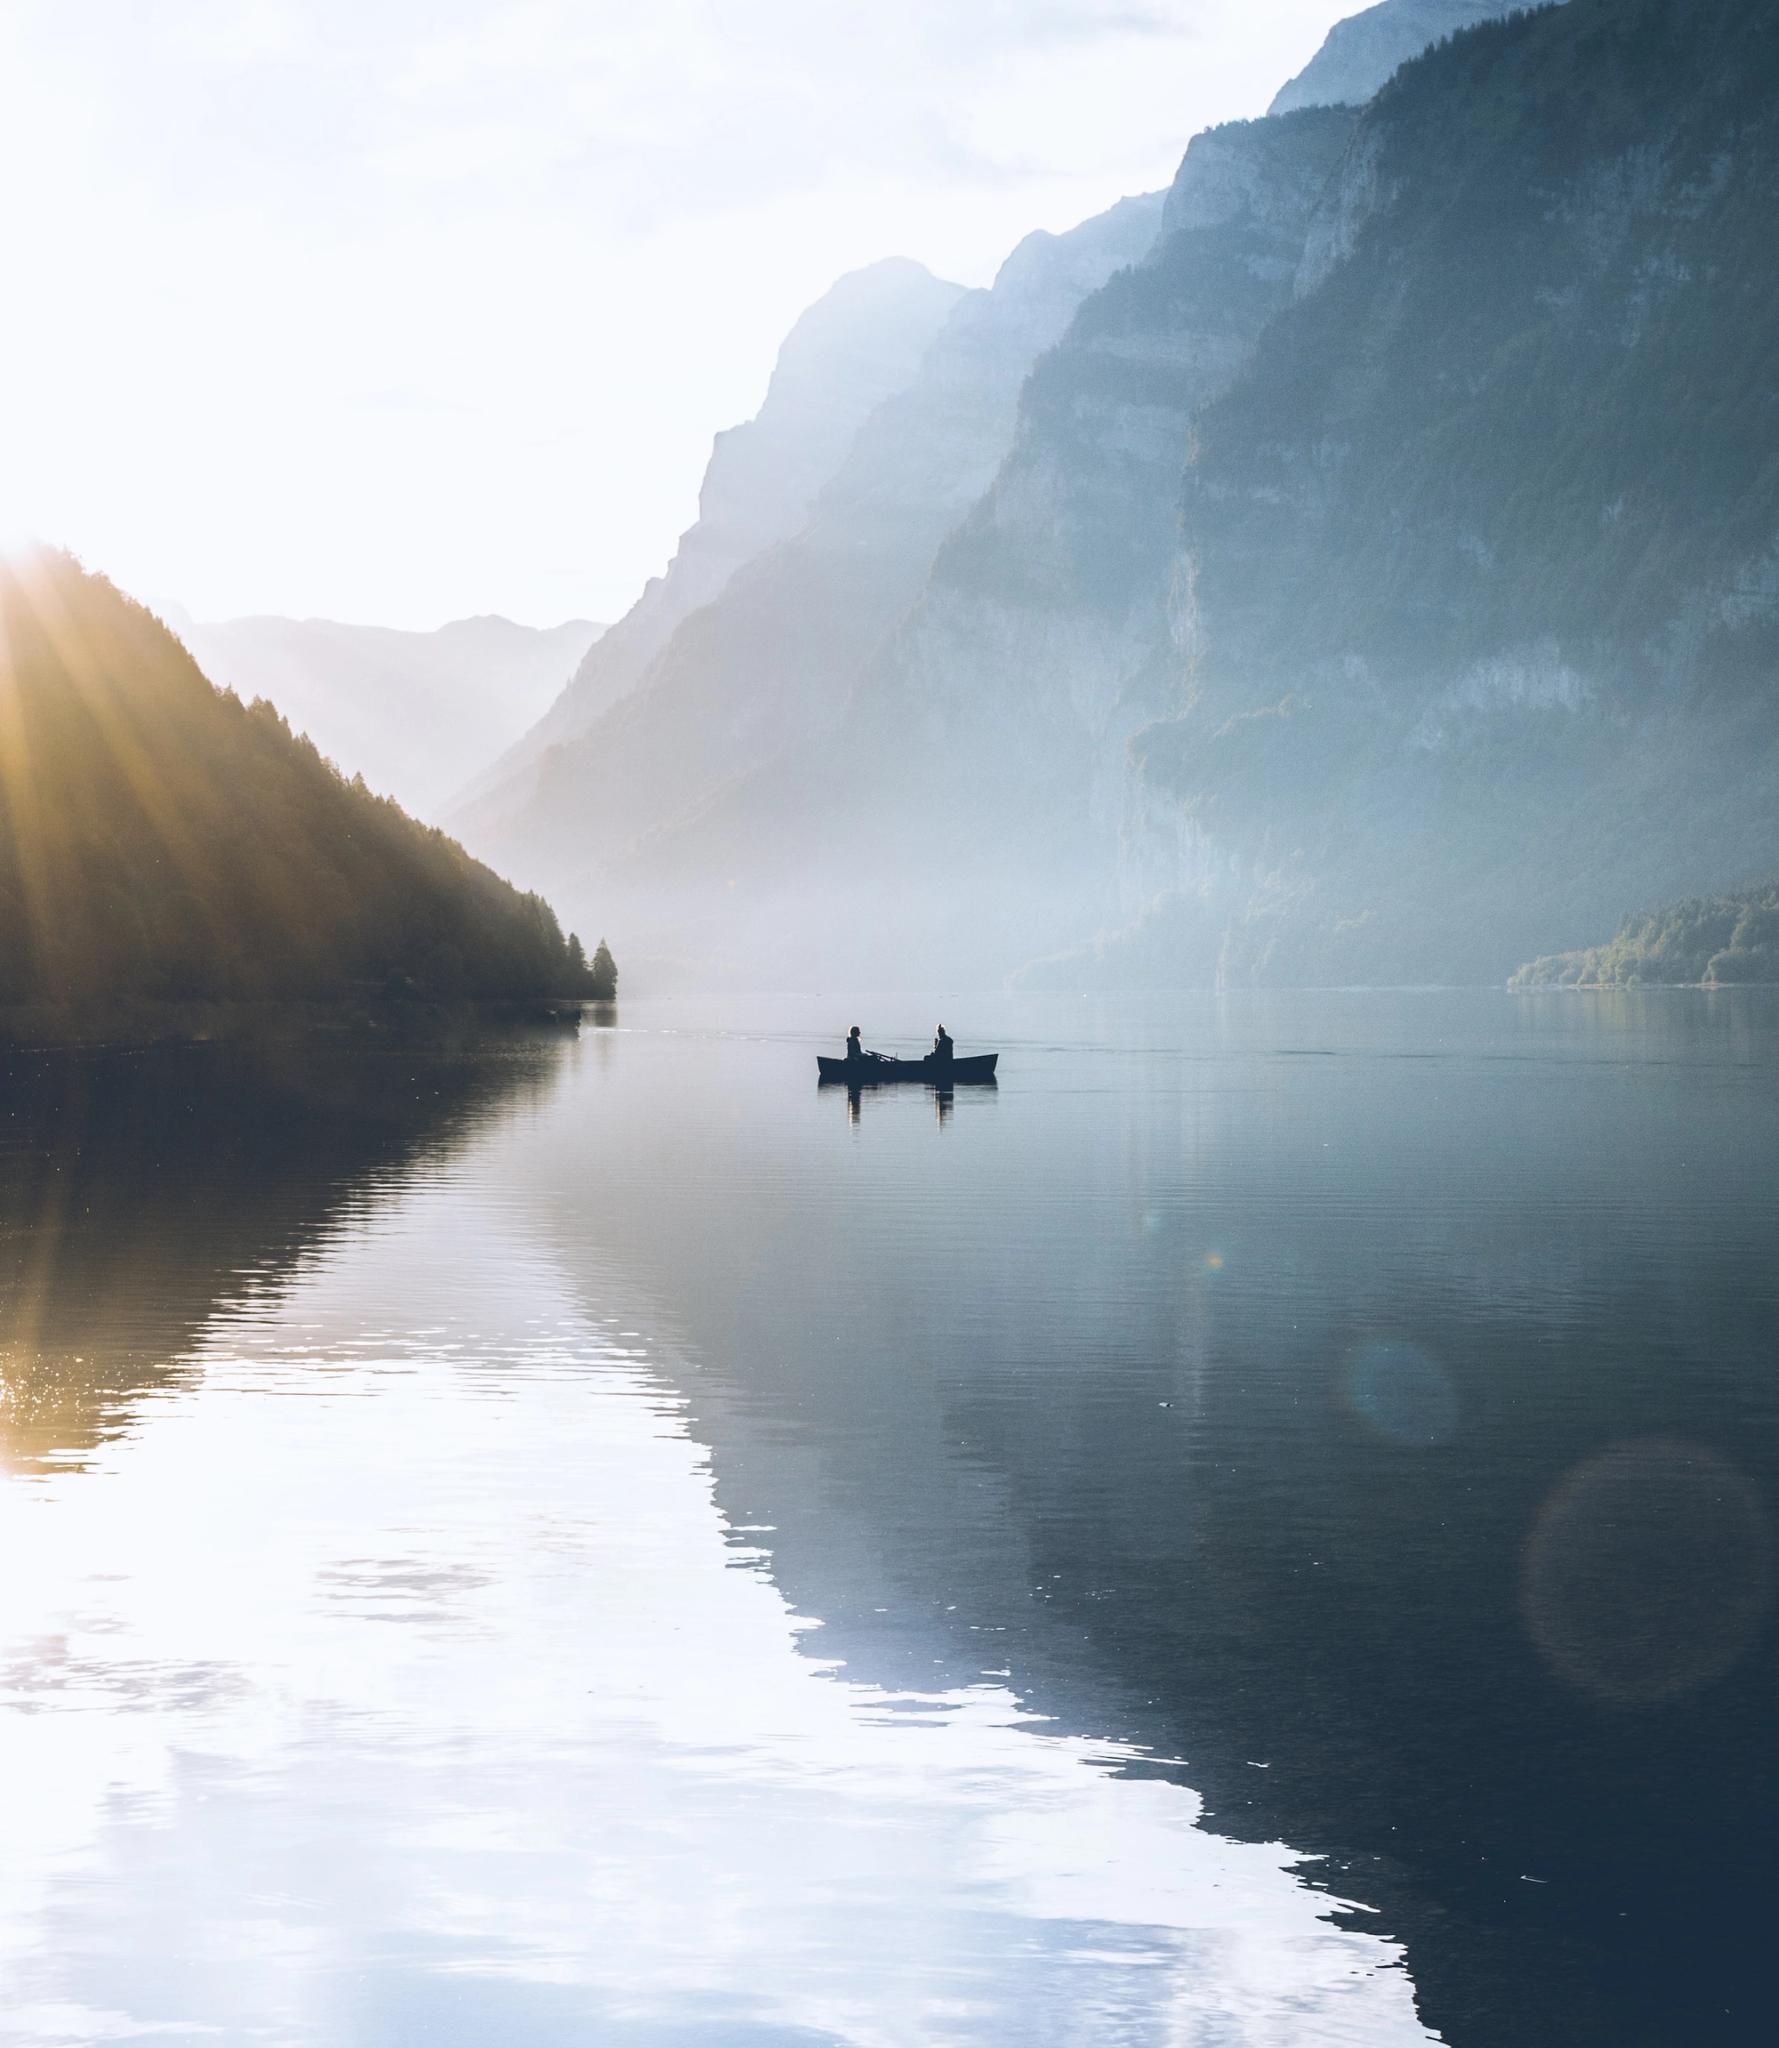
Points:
[(167, 851)]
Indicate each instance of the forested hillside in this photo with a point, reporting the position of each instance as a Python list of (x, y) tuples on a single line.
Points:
[(1718, 941), (159, 838)]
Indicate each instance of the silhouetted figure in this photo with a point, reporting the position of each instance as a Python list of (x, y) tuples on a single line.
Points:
[(855, 1046), (942, 1046)]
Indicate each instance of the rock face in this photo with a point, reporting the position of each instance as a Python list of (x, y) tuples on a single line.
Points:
[(1483, 543), (1049, 629), (1454, 633), (1362, 51), (413, 713), (975, 721), (859, 343), (769, 661), (1379, 580), (987, 739)]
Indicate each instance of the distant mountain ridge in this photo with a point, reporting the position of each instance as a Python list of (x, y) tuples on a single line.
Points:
[(767, 661), (416, 714), (1376, 584), (1006, 638), (1360, 53), (861, 341), (977, 774), (160, 839)]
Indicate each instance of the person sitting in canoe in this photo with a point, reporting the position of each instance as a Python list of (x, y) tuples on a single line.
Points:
[(942, 1046), (855, 1048)]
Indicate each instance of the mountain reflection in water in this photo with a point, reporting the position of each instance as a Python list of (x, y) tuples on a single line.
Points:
[(140, 1191), (582, 1542), (389, 1673)]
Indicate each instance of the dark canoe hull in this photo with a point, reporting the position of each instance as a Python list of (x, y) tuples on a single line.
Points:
[(951, 1073)]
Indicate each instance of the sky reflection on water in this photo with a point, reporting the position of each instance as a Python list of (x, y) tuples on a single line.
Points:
[(391, 1675), (590, 1541)]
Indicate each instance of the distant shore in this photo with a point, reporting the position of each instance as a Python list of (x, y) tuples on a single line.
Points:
[(132, 1021), (1518, 987)]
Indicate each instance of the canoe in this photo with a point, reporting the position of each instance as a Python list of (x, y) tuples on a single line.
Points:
[(977, 1067)]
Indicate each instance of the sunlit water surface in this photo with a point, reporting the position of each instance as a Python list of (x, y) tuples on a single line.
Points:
[(1251, 1531)]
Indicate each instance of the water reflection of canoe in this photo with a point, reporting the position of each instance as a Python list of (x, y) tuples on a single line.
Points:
[(949, 1073)]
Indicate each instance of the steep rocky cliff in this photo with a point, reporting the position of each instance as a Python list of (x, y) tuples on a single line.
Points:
[(1048, 628), (859, 343), (979, 782), (1484, 541), (769, 661), (1454, 634), (1380, 581)]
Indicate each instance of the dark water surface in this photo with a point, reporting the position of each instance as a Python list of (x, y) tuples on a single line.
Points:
[(1257, 1530)]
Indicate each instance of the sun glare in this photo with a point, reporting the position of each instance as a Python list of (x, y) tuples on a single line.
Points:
[(16, 535)]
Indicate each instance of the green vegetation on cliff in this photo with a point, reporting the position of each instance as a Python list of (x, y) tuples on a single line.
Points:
[(1716, 940), (161, 839)]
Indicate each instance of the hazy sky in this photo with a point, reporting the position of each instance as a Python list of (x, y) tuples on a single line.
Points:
[(398, 310)]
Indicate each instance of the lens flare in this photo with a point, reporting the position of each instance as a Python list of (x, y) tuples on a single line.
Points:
[(1648, 1571), (1395, 1389)]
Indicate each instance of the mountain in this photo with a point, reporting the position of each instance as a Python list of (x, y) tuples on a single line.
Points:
[(1714, 941), (982, 741), (1396, 633), (1359, 53), (416, 714), (158, 838), (1046, 632), (1377, 585), (1482, 542), (767, 661), (861, 341)]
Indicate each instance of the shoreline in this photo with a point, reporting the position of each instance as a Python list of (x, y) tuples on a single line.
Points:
[(1584, 988), (126, 1023)]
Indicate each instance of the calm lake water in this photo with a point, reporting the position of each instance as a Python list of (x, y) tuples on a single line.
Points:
[(1259, 1529)]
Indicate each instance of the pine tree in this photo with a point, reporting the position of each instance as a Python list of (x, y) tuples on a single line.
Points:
[(604, 977)]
